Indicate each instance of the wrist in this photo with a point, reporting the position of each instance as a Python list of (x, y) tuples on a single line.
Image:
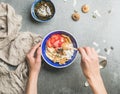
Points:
[(32, 83), (33, 74), (94, 80), (97, 85)]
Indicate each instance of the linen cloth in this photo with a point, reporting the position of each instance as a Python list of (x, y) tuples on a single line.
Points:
[(14, 46)]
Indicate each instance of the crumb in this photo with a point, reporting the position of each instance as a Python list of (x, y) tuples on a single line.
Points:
[(112, 48), (94, 16), (109, 11), (75, 16), (105, 50), (85, 8)]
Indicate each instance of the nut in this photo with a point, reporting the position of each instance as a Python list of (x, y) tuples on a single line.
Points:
[(85, 8), (75, 16)]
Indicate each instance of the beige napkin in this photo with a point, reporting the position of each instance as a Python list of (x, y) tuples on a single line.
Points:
[(14, 46)]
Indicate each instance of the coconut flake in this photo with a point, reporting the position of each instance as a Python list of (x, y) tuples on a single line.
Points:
[(65, 0), (86, 84), (74, 3), (108, 51), (96, 13), (95, 44), (102, 57)]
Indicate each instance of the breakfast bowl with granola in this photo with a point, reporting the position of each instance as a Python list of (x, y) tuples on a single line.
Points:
[(59, 49)]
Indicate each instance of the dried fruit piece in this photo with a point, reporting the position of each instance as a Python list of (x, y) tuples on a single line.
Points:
[(105, 49), (112, 48), (109, 11), (75, 16), (94, 16), (85, 8)]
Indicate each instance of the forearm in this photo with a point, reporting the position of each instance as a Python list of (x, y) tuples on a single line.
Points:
[(97, 85), (32, 84)]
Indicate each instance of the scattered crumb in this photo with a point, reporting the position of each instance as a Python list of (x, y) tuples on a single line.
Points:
[(105, 50), (112, 48), (75, 16), (109, 11), (108, 50), (95, 44), (94, 16), (85, 8)]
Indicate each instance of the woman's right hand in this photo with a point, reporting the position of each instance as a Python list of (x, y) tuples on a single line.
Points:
[(89, 62), (91, 70)]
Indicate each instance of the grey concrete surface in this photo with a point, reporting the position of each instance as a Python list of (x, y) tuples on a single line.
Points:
[(88, 29)]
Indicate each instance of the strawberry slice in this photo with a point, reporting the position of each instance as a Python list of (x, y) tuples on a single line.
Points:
[(56, 36), (49, 43), (62, 39), (52, 40), (56, 43)]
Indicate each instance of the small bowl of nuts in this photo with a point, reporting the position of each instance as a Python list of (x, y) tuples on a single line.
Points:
[(42, 10)]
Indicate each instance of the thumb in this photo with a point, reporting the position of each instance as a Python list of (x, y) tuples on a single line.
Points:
[(38, 56)]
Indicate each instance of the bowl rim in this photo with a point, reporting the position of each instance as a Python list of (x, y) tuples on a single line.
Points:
[(33, 12), (47, 61)]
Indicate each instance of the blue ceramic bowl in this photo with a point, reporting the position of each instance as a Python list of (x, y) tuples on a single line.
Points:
[(50, 62), (33, 11)]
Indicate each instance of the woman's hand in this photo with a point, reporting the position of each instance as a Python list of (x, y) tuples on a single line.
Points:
[(89, 62), (34, 59), (91, 70)]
